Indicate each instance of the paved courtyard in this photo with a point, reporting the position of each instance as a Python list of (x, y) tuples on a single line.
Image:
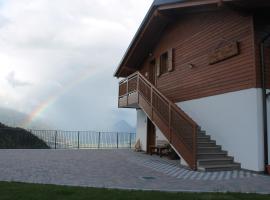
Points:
[(123, 169)]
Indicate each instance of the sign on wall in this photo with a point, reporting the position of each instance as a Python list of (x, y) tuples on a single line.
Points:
[(223, 53)]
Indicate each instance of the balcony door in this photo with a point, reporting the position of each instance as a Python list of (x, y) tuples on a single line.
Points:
[(152, 72), (151, 134)]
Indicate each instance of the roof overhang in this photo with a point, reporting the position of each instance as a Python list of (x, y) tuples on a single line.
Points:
[(160, 14)]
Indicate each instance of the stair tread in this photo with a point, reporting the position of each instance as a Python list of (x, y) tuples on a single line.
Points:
[(220, 166), (214, 147), (220, 152), (215, 159), (205, 142)]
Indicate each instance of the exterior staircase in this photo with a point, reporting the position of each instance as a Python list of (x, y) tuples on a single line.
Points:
[(211, 157), (194, 145)]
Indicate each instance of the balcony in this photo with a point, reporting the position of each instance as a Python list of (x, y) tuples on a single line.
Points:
[(128, 94)]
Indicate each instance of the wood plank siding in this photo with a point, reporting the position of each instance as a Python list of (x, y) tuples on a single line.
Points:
[(194, 36)]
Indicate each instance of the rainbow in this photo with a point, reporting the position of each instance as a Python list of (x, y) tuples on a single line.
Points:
[(44, 105)]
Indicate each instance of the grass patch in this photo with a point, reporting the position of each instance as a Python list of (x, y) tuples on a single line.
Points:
[(21, 191)]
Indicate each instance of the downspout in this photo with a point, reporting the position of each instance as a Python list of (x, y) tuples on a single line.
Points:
[(264, 100)]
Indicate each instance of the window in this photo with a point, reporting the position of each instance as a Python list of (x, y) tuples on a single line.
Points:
[(164, 63)]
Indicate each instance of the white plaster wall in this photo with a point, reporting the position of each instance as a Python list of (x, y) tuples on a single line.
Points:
[(160, 135), (234, 120), (141, 130), (268, 123)]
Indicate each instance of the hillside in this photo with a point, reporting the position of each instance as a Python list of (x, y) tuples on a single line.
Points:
[(17, 138)]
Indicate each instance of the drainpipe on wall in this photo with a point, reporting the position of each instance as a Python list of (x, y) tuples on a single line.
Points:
[(264, 101)]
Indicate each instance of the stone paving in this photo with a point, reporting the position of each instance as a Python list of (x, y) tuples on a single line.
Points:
[(175, 170), (123, 169)]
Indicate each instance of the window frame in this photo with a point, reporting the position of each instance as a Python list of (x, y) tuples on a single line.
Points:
[(164, 63)]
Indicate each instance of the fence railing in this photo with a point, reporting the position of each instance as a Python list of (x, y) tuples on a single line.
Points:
[(58, 139), (85, 139)]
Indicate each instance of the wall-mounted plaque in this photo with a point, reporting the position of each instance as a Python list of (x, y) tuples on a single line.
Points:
[(223, 53)]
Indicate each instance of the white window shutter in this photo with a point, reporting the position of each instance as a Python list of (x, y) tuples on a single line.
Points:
[(158, 66), (170, 60)]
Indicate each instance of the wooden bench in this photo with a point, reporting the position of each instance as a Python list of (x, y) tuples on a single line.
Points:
[(159, 148)]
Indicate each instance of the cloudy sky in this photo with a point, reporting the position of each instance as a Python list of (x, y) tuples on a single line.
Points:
[(57, 59)]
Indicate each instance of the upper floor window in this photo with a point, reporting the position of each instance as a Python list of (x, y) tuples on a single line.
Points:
[(164, 63)]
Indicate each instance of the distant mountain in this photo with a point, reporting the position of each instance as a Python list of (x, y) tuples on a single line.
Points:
[(15, 119), (123, 126)]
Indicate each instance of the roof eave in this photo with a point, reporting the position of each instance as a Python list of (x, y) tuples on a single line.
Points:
[(151, 10), (137, 34)]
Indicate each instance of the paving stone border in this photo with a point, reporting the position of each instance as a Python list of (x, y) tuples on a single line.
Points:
[(172, 169)]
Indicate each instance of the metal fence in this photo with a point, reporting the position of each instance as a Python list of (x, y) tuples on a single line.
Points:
[(85, 139)]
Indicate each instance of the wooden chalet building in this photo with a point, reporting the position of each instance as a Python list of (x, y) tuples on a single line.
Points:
[(197, 71)]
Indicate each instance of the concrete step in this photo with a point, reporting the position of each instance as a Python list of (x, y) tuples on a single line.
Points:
[(210, 155), (215, 161), (202, 133), (213, 149), (210, 143), (205, 138), (225, 167)]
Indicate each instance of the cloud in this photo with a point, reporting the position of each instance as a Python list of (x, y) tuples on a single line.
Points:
[(14, 82), (63, 46)]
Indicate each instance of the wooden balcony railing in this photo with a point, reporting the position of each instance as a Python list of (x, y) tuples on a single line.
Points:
[(177, 126)]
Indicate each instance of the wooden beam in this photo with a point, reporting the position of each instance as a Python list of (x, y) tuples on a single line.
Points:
[(126, 70), (192, 4), (167, 18)]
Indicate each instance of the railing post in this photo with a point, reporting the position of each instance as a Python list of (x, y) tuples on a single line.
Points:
[(138, 80), (118, 103), (130, 140), (78, 139), (55, 140), (117, 141), (98, 140), (127, 90), (151, 100)]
